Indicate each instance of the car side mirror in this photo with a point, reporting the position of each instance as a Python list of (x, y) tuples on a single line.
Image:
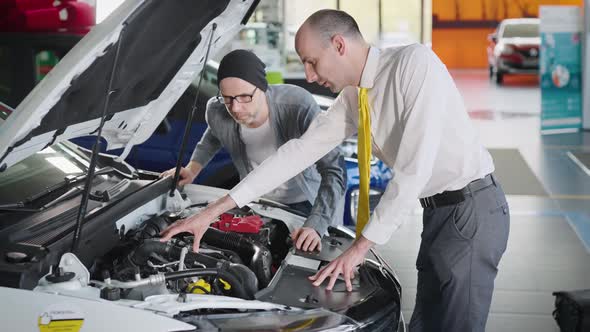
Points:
[(493, 38), (164, 127)]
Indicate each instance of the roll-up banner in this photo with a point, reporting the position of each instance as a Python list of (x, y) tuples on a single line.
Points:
[(561, 68)]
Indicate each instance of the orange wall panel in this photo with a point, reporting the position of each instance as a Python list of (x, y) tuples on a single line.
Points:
[(461, 48), (492, 9), (460, 27)]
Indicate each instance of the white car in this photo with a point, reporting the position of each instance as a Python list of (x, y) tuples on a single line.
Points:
[(79, 231), (514, 48)]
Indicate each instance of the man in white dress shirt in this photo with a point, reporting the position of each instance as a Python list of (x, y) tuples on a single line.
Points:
[(420, 128)]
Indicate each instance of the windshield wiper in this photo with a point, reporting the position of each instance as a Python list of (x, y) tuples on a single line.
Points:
[(25, 204), (67, 195), (18, 206)]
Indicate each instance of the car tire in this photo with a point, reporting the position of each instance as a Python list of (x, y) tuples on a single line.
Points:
[(491, 72), (499, 78)]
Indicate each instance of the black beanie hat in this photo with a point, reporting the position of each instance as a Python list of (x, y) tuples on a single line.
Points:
[(245, 65)]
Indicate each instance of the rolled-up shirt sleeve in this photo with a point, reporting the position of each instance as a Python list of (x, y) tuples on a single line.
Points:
[(422, 81), (326, 131)]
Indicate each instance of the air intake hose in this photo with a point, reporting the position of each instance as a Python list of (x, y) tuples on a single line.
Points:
[(257, 256), (243, 275)]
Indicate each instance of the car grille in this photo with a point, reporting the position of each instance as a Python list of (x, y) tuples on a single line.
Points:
[(529, 53)]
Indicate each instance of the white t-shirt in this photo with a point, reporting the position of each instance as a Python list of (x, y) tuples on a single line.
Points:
[(260, 144)]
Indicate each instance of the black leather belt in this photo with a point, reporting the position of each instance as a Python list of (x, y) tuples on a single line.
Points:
[(457, 196)]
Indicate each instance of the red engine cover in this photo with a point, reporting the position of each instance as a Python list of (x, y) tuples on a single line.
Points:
[(230, 223)]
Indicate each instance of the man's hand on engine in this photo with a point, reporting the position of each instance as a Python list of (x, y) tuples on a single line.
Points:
[(199, 223), (306, 239)]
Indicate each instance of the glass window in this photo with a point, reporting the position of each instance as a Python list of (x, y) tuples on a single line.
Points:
[(44, 169), (521, 30)]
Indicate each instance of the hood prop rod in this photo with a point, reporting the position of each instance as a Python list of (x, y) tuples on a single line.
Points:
[(95, 151), (189, 122)]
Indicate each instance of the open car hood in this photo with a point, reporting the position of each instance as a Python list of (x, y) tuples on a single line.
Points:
[(162, 47)]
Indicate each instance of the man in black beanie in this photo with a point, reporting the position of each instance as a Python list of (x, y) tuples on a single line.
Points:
[(251, 120)]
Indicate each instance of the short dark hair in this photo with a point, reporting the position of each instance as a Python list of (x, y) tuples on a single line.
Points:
[(330, 22)]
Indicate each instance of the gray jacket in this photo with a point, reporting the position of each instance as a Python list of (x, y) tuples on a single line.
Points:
[(291, 111)]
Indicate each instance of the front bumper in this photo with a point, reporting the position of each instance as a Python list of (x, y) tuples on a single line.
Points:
[(530, 66)]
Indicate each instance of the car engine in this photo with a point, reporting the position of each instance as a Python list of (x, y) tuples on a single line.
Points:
[(246, 263), (237, 257)]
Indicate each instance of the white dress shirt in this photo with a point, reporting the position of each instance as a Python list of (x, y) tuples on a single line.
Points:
[(419, 125)]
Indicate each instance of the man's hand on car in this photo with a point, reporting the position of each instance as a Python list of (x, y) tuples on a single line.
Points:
[(198, 223), (306, 239), (345, 264), (187, 174)]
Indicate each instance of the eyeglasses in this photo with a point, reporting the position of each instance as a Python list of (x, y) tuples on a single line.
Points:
[(242, 99)]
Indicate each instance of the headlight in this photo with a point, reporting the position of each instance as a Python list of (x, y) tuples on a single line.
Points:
[(507, 50), (374, 196)]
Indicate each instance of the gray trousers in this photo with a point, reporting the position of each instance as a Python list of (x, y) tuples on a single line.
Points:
[(458, 261)]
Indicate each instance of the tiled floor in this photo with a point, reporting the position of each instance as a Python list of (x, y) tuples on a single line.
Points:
[(549, 245)]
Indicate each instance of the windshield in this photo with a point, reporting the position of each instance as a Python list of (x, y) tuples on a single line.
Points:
[(522, 30), (44, 169)]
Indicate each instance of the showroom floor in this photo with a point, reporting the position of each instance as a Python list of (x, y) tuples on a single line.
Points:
[(549, 196)]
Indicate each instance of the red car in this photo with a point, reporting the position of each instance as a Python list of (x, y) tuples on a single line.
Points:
[(514, 48)]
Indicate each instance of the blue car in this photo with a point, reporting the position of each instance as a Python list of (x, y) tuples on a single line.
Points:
[(380, 176), (161, 150)]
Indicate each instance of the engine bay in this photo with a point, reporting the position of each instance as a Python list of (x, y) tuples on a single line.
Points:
[(238, 257), (246, 263)]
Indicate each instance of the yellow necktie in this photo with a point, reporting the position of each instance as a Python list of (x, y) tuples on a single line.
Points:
[(364, 158)]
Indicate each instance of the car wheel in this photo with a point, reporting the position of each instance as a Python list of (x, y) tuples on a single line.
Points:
[(499, 78), (491, 71)]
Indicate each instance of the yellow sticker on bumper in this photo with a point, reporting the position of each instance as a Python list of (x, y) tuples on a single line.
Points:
[(60, 318)]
